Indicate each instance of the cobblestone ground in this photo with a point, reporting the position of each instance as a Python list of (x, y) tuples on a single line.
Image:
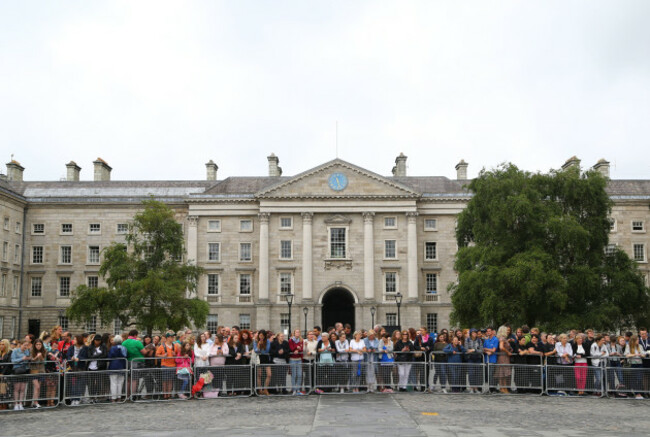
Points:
[(341, 415)]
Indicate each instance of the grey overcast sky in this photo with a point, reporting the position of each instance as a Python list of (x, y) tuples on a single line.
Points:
[(157, 88)]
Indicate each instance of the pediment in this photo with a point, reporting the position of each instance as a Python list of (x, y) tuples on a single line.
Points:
[(318, 183), (338, 219)]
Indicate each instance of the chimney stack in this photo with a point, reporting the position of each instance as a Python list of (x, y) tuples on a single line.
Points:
[(211, 170), (274, 169), (461, 170), (102, 170), (73, 171), (400, 166), (603, 167), (571, 162), (15, 171)]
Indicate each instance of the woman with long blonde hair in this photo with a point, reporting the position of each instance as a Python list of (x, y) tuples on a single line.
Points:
[(503, 371)]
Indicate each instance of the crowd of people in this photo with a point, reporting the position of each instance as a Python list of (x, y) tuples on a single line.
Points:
[(217, 364)]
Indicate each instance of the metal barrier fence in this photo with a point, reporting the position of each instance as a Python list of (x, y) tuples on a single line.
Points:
[(408, 371), (283, 379), (32, 385), (626, 377), (341, 377), (224, 381), (516, 378), (575, 379), (151, 380), (95, 381), (465, 374)]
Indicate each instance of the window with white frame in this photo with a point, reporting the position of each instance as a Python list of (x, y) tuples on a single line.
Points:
[(638, 250), (390, 282), (17, 228), (244, 321), (214, 225), (91, 325), (5, 250), (17, 254), (13, 327), (65, 255), (37, 286), (64, 286), (286, 223), (638, 226), (95, 228), (3, 285), (64, 323), (214, 251), (38, 228), (245, 252), (432, 322), (286, 249), (390, 222), (610, 249), (245, 283), (338, 243), (430, 251), (122, 228), (117, 326), (213, 284), (390, 249), (284, 322), (92, 281), (212, 323), (286, 280), (431, 283), (66, 228), (246, 225), (430, 224), (37, 254), (391, 319), (14, 292), (93, 254)]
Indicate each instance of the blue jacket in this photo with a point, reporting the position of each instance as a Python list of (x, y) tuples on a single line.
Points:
[(458, 356), (118, 353), (82, 364)]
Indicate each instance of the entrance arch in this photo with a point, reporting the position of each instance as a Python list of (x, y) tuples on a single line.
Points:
[(338, 306)]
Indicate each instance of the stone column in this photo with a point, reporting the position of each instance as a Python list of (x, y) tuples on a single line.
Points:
[(264, 257), (412, 249), (307, 261), (368, 256), (192, 240)]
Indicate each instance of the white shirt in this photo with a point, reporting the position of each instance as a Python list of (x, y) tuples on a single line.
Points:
[(598, 352), (341, 350), (201, 354), (561, 350), (580, 350), (357, 346)]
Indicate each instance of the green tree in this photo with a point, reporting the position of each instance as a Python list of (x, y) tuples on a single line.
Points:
[(147, 283), (532, 251)]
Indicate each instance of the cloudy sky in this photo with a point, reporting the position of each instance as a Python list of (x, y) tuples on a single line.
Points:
[(158, 88)]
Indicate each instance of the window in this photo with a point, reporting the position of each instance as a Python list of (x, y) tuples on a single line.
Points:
[(214, 251), (213, 284), (17, 254), (122, 228), (14, 292), (338, 243), (245, 283), (93, 281), (64, 286), (612, 225), (37, 254), (284, 323), (244, 321), (245, 252), (13, 327), (95, 228), (431, 283), (37, 286), (38, 228), (212, 323), (117, 326), (286, 223), (430, 224), (214, 225), (430, 251), (66, 255), (610, 249), (66, 228), (638, 226), (390, 282), (63, 323), (2, 326), (17, 228), (5, 250), (432, 322), (286, 249), (6, 223), (391, 319), (390, 222), (3, 285), (246, 226), (91, 325), (285, 283), (639, 252), (93, 254), (390, 251)]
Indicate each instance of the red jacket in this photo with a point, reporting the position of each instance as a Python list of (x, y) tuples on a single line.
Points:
[(296, 348)]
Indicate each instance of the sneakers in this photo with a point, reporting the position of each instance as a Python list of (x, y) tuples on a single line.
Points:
[(318, 391), (342, 390), (16, 407), (638, 397), (36, 405), (182, 396)]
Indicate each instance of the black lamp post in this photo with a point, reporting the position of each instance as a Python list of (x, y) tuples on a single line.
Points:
[(398, 300), (305, 310), (372, 313), (289, 298)]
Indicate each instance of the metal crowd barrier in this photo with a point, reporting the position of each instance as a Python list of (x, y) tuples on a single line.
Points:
[(227, 381), (575, 379), (517, 378), (626, 377), (283, 379), (341, 377), (91, 381), (152, 381), (408, 372), (466, 376), (38, 387)]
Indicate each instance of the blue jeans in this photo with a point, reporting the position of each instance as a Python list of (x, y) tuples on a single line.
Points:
[(185, 380), (296, 374)]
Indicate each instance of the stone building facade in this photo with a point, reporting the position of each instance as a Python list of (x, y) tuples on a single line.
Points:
[(342, 241)]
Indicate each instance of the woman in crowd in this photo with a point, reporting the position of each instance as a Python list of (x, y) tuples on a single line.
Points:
[(5, 370), (615, 351), (237, 375), (201, 351), (296, 347), (168, 352), (386, 364), (564, 357), (97, 354), (455, 352), (440, 362), (218, 353), (357, 367), (38, 356), (474, 350), (247, 346), (262, 348), (634, 354), (404, 358), (503, 373), (599, 354), (77, 356), (372, 348), (152, 379), (580, 355), (117, 365), (310, 352), (184, 365), (280, 356), (326, 352), (20, 360), (343, 359)]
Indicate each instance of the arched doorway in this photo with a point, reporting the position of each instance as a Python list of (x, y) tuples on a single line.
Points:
[(338, 306)]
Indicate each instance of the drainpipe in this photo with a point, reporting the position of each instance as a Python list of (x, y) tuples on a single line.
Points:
[(22, 275)]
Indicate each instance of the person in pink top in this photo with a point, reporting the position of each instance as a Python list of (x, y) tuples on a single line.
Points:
[(184, 362)]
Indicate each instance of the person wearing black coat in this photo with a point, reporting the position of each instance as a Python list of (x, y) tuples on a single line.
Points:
[(97, 354), (279, 353), (77, 357), (404, 349)]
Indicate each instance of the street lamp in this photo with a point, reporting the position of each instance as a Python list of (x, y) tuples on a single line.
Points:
[(398, 300), (289, 298), (372, 313), (305, 310)]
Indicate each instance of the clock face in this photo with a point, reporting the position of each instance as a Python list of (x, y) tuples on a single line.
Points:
[(338, 181)]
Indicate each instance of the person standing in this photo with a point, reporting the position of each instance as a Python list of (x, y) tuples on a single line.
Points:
[(296, 347)]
